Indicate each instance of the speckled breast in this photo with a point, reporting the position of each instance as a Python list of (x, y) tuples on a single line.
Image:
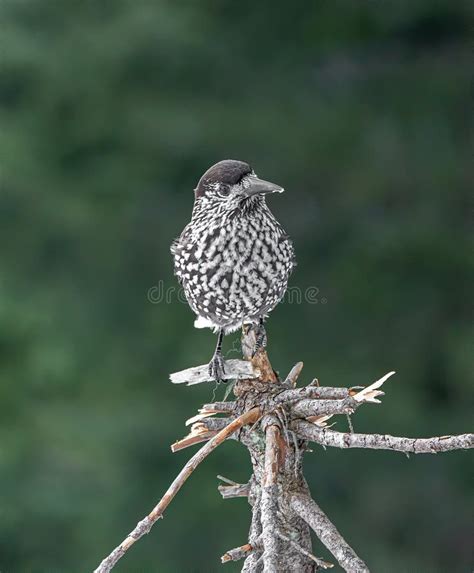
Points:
[(235, 272)]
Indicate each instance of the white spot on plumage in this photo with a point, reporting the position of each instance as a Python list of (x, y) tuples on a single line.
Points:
[(233, 260)]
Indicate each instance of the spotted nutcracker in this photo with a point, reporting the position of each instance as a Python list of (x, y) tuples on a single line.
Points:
[(233, 259)]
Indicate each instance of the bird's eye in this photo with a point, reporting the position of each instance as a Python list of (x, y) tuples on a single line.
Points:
[(224, 190)]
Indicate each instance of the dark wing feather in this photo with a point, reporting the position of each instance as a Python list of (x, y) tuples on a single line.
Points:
[(177, 247)]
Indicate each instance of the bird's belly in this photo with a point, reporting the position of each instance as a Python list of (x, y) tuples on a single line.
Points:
[(242, 281)]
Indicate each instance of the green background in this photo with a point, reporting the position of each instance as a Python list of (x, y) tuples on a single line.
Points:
[(110, 112)]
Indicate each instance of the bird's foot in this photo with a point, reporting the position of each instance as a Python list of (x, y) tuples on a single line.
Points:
[(217, 368), (261, 336)]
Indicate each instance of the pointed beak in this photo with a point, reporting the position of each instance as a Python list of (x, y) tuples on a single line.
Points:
[(261, 187)]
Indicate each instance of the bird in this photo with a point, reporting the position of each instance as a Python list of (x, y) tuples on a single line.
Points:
[(233, 259)]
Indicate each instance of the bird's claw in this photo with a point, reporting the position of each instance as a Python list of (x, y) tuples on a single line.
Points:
[(261, 337), (262, 340), (217, 368)]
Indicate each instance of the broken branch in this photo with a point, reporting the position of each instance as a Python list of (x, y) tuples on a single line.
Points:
[(292, 377), (218, 407), (144, 526), (237, 554), (238, 490), (234, 370), (191, 440)]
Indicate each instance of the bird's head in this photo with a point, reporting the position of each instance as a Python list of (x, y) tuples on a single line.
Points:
[(230, 184)]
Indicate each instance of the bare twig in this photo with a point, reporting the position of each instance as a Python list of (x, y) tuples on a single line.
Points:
[(201, 430), (434, 445), (237, 554), (199, 417), (238, 490), (319, 411), (321, 563), (371, 392), (192, 439), (227, 480), (309, 510), (218, 407), (314, 391), (145, 525), (292, 377), (233, 489)]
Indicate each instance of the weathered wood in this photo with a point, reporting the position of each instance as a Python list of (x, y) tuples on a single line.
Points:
[(313, 392), (237, 553), (293, 375), (274, 421), (319, 522), (215, 424), (343, 440), (238, 490), (272, 557), (321, 563), (191, 440), (307, 407), (234, 370), (144, 526)]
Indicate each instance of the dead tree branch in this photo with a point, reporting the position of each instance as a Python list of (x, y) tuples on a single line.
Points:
[(307, 407), (237, 554), (315, 392), (319, 522), (238, 490), (293, 376), (144, 526), (274, 420), (269, 502), (326, 437), (234, 370)]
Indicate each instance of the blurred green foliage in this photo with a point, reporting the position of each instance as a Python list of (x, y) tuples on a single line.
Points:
[(110, 112)]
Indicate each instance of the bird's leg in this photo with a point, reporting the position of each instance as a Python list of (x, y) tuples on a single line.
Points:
[(261, 335), (216, 365)]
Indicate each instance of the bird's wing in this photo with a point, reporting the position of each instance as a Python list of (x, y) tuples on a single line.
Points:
[(285, 238), (178, 244), (177, 248)]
